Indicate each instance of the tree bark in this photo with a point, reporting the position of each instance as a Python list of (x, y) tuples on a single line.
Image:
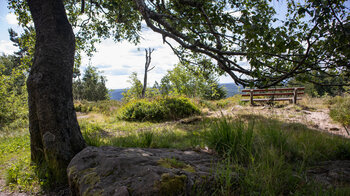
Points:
[(54, 130)]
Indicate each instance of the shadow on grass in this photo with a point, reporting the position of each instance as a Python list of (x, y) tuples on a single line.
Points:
[(261, 155)]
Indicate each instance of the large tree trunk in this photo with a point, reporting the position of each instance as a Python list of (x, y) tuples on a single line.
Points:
[(54, 131)]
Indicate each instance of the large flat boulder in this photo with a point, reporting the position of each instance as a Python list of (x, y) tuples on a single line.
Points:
[(136, 171)]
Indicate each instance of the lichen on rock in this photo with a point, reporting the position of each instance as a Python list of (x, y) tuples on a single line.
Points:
[(173, 163), (171, 184), (101, 170)]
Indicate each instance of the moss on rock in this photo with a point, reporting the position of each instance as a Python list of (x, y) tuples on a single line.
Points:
[(91, 178), (173, 163), (171, 184)]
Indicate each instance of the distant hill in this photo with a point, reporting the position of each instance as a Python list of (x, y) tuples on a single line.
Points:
[(116, 94), (231, 88)]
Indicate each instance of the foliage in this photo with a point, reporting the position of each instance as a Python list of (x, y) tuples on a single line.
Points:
[(135, 91), (323, 87), (92, 87), (159, 109), (26, 45), (309, 38), (254, 42), (13, 93), (192, 82), (122, 22)]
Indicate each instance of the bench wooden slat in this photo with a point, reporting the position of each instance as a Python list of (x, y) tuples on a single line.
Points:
[(275, 99), (274, 94), (271, 94), (273, 89)]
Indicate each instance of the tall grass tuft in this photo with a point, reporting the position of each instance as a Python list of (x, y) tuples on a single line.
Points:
[(145, 139), (92, 133), (265, 156), (340, 111), (231, 138)]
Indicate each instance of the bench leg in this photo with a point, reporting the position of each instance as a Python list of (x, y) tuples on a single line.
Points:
[(251, 98), (295, 96)]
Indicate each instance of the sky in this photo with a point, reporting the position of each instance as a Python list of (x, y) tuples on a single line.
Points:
[(116, 60)]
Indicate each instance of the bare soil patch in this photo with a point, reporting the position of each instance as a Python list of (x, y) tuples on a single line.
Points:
[(317, 119)]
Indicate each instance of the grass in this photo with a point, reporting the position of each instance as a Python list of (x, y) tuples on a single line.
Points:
[(132, 134), (15, 168), (260, 155), (340, 111), (271, 157)]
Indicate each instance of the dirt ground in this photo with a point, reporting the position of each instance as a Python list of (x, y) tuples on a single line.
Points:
[(317, 119)]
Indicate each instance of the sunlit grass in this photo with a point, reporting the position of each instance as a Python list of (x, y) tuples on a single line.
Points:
[(15, 167), (261, 155), (278, 158)]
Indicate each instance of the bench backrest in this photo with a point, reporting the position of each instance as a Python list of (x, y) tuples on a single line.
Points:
[(273, 91), (291, 94)]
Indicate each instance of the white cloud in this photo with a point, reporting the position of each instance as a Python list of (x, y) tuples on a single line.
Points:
[(7, 47), (11, 19), (119, 60), (225, 79)]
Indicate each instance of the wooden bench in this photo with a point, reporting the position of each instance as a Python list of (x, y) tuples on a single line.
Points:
[(273, 94)]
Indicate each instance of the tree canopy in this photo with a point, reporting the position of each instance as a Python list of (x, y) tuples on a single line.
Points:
[(312, 36), (91, 87), (192, 83), (13, 95), (255, 43)]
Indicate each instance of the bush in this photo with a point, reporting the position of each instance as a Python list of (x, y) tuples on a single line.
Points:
[(160, 109)]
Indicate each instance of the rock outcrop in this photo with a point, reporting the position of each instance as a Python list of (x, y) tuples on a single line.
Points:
[(135, 171)]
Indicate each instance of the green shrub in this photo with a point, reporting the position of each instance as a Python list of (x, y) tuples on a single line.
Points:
[(160, 109), (178, 107)]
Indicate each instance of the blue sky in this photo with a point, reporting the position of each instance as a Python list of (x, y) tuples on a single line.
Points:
[(6, 21)]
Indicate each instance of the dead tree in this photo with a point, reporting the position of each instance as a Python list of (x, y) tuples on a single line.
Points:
[(147, 69)]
